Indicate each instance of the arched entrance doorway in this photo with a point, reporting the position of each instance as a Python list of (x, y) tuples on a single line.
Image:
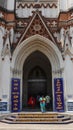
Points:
[(21, 62), (37, 79)]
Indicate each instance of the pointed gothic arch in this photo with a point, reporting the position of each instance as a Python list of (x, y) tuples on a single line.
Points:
[(29, 46), (41, 44)]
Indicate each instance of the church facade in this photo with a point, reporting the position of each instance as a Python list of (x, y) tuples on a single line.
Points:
[(36, 54)]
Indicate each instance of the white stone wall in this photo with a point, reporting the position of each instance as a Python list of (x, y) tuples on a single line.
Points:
[(69, 77), (65, 4), (49, 12), (5, 81), (65, 37), (1, 46), (46, 12), (69, 3), (10, 4), (5, 78)]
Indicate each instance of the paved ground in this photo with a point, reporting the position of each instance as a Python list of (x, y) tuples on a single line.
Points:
[(4, 126)]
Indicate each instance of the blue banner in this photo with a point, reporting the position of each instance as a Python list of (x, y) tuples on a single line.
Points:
[(15, 95), (58, 95)]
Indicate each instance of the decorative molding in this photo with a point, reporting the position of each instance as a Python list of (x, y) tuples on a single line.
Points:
[(21, 23), (16, 72), (23, 5), (60, 71), (37, 27), (43, 30), (28, 25)]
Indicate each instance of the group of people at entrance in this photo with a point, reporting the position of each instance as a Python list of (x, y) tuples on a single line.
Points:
[(43, 101)]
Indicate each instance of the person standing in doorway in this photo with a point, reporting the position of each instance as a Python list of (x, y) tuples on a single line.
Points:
[(47, 101), (32, 102), (42, 104)]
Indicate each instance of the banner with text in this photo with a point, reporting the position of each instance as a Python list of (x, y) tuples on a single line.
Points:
[(58, 95), (15, 95)]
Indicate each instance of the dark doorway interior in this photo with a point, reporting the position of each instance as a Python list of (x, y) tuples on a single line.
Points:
[(37, 80)]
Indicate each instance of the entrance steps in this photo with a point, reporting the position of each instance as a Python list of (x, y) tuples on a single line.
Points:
[(37, 118)]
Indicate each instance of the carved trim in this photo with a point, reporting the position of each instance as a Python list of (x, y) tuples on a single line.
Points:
[(44, 31), (15, 71), (60, 71), (39, 5)]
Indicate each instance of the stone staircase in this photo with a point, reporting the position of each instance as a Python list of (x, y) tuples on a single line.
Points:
[(37, 118)]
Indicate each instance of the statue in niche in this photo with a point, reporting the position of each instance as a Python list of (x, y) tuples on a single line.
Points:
[(62, 37), (6, 44)]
